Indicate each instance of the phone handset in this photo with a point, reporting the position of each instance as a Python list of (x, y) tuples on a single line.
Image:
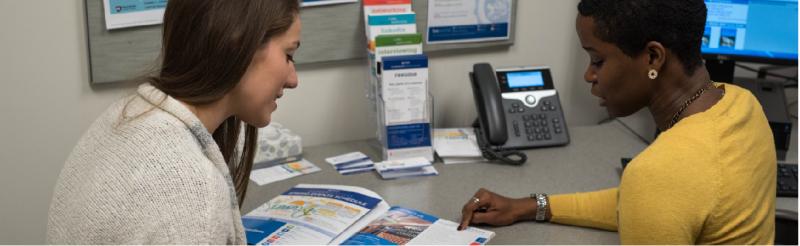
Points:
[(489, 103), (491, 127)]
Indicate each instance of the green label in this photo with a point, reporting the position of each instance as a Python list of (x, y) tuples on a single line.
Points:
[(398, 39)]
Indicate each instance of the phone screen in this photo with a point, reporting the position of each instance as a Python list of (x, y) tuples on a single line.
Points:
[(525, 79)]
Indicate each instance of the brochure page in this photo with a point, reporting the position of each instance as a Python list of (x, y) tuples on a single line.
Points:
[(308, 214), (401, 226)]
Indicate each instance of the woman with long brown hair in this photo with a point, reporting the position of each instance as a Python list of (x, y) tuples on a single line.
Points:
[(166, 165)]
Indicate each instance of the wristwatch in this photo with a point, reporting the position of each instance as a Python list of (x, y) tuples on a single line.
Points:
[(542, 205)]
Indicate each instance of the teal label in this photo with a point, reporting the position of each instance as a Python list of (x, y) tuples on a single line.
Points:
[(401, 19), (130, 6)]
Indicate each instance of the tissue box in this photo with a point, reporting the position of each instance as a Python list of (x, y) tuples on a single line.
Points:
[(277, 145)]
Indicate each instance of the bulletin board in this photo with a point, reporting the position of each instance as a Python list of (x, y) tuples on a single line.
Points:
[(330, 33)]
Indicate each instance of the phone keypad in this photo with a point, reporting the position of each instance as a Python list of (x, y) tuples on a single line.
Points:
[(536, 126)]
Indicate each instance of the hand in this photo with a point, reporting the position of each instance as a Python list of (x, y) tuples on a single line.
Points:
[(486, 207)]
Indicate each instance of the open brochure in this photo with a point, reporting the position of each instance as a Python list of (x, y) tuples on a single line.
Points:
[(336, 214)]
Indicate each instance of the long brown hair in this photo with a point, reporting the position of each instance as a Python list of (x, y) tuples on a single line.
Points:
[(207, 46)]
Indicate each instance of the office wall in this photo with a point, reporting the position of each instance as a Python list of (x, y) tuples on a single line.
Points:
[(47, 102), (642, 122)]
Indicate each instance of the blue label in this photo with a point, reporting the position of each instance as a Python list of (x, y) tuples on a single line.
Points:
[(399, 19), (345, 196), (728, 32), (408, 136), (129, 6), (362, 238), (351, 167), (447, 33), (257, 230), (405, 62)]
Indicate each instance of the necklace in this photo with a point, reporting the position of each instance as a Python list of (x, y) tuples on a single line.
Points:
[(686, 104)]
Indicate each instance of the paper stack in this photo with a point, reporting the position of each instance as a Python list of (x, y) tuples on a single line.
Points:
[(386, 24), (457, 145), (285, 171), (351, 163), (412, 167)]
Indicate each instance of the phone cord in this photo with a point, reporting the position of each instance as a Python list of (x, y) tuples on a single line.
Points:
[(510, 157)]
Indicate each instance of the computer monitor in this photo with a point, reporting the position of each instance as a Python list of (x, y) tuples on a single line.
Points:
[(763, 31)]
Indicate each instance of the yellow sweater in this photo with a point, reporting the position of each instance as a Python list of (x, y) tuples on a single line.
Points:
[(710, 179)]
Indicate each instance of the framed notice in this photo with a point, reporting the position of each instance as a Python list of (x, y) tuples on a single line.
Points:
[(465, 21), (131, 13)]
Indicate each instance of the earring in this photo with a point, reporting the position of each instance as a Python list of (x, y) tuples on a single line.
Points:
[(652, 74)]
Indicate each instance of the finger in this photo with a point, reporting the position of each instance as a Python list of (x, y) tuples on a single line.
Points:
[(465, 220), (468, 209), (484, 200)]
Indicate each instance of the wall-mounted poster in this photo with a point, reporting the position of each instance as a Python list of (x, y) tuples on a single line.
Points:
[(130, 13), (462, 21)]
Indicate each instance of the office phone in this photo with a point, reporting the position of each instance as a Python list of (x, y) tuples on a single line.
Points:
[(518, 108)]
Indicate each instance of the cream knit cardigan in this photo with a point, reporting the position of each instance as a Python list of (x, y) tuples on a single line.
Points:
[(146, 172)]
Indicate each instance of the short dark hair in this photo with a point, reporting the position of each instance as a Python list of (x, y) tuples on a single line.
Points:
[(630, 24)]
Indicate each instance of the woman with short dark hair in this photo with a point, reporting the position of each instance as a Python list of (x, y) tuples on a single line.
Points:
[(165, 166), (709, 177)]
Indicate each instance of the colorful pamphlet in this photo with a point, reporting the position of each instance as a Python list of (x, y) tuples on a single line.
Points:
[(404, 89), (351, 163), (411, 167), (395, 45), (404, 106), (387, 24), (336, 214), (285, 171), (385, 7)]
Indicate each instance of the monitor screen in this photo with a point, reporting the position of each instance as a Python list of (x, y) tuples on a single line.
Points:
[(756, 30), (525, 79)]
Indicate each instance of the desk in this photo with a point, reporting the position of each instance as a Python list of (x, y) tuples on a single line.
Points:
[(590, 162)]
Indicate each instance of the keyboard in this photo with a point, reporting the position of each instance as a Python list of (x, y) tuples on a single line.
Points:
[(787, 178)]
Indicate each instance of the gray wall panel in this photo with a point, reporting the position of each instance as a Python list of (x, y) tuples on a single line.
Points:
[(330, 33)]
